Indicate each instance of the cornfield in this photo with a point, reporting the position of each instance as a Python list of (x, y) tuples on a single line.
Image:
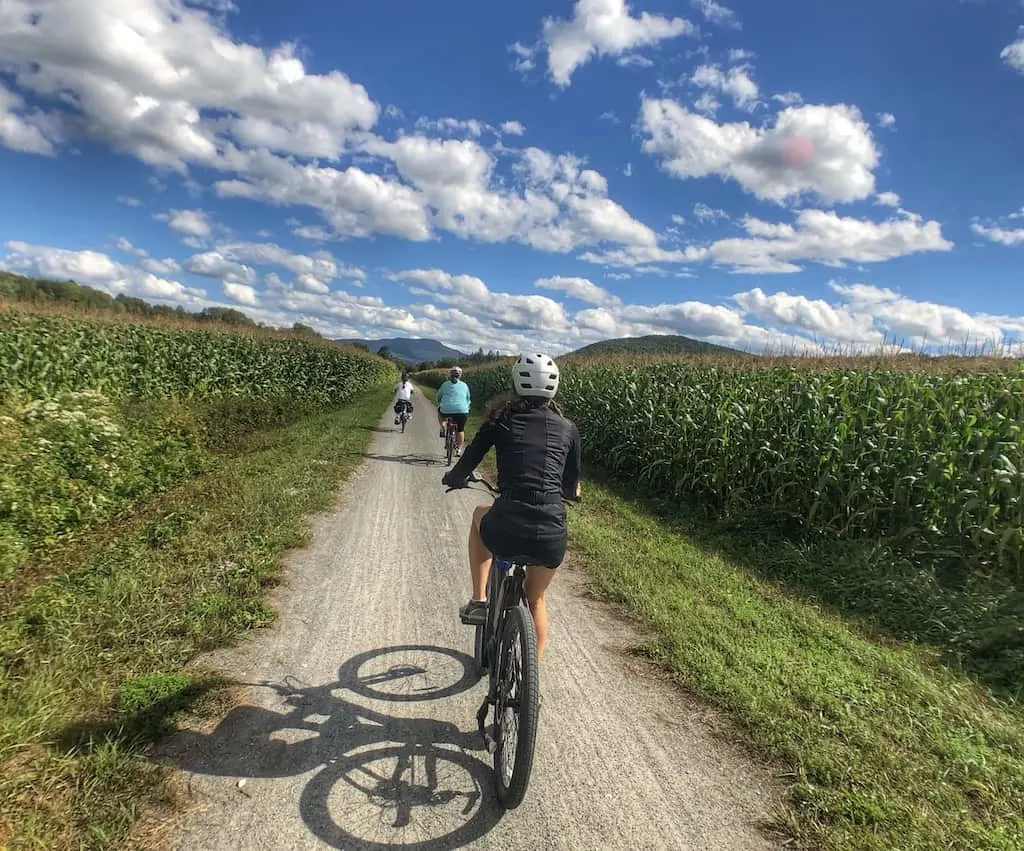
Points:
[(929, 460), (42, 355)]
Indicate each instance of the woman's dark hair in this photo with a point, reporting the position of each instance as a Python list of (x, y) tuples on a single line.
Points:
[(505, 403)]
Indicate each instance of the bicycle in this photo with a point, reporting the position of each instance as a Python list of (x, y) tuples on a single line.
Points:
[(404, 417), (451, 431), (505, 646)]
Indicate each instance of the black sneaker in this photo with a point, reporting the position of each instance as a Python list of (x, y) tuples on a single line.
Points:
[(474, 613)]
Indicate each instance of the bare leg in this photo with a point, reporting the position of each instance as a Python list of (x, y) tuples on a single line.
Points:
[(537, 581), (479, 555)]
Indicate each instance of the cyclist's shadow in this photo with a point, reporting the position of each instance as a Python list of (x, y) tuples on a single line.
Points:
[(385, 781)]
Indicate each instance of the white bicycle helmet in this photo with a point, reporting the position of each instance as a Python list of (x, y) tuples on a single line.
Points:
[(535, 375)]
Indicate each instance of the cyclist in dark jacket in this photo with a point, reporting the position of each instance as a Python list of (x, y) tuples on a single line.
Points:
[(538, 455)]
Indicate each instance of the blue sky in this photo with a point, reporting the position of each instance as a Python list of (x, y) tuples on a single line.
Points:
[(542, 174)]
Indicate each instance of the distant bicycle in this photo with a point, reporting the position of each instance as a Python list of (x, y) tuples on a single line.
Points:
[(403, 414), (451, 431), (505, 646)]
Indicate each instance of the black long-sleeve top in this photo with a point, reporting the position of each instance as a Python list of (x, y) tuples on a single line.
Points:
[(538, 454)]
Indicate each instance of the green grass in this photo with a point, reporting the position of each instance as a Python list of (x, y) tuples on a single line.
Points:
[(885, 748), (881, 746), (91, 657)]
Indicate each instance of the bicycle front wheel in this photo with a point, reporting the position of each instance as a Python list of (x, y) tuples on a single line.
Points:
[(517, 708)]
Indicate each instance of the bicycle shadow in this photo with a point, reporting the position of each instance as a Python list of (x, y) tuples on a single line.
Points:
[(419, 460), (384, 781)]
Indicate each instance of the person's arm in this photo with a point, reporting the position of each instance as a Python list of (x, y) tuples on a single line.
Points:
[(571, 472), (473, 455)]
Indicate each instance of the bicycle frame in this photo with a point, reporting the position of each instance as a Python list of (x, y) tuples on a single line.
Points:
[(505, 591)]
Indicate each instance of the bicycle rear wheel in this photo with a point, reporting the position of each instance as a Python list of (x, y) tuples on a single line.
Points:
[(517, 707), (449, 445)]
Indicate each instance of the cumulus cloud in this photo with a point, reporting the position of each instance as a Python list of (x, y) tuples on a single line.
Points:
[(716, 13), (129, 201), (314, 272), (95, 269), (1004, 236), (187, 222), (213, 264), (818, 236), (735, 82), (242, 293), (513, 128), (581, 289), (22, 129), (163, 81), (886, 119), (1013, 54), (824, 150), (602, 28), (887, 199), (705, 213)]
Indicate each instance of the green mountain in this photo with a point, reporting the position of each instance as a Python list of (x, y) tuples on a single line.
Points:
[(654, 344), (411, 349)]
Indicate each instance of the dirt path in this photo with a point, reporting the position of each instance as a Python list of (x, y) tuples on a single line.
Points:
[(357, 727)]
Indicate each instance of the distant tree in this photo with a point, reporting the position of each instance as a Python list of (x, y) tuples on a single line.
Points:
[(306, 331), (385, 352), (227, 315)]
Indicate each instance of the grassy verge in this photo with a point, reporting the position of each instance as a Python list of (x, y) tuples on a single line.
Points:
[(91, 658), (885, 748)]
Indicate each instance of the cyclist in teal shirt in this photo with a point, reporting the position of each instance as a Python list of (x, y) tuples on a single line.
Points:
[(453, 401)]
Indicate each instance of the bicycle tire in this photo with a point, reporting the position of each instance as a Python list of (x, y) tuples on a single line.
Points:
[(519, 630), (449, 445), (479, 642)]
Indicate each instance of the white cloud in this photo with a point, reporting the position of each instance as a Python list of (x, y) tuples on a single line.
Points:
[(677, 219), (128, 201), (716, 13), (1004, 236), (738, 54), (213, 264), (888, 199), (825, 150), (628, 170), (789, 98), (825, 237), (22, 129), (579, 288), (187, 222), (524, 57), (125, 246), (634, 60), (1013, 54), (886, 119), (513, 128), (95, 269), (164, 81), (501, 310), (602, 28), (735, 82), (454, 126), (703, 213), (818, 236), (315, 271), (242, 293), (167, 266), (707, 103), (609, 116)]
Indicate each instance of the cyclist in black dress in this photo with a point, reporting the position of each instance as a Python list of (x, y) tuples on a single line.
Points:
[(538, 455)]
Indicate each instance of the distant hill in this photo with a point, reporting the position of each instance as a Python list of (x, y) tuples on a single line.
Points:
[(412, 350), (654, 344)]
